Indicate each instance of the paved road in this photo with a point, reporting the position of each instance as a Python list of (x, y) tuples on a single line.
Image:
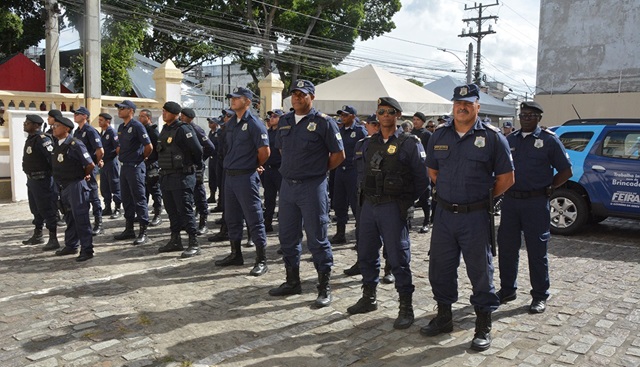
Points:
[(130, 306)]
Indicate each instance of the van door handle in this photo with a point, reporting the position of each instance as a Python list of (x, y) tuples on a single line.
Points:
[(598, 168)]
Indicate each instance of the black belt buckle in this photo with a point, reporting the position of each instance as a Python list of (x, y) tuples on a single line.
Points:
[(454, 208)]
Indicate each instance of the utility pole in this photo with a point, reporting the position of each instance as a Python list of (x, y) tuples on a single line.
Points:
[(479, 34), (469, 60), (92, 59), (52, 53)]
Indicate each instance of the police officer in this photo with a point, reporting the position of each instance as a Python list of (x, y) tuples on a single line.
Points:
[(179, 156), (344, 183), (270, 177), (214, 131), (200, 193), (394, 176), (90, 137), (525, 207), (152, 177), (247, 148), (109, 167), (467, 160), (36, 164), (72, 166), (223, 234), (311, 144), (56, 194), (423, 134), (135, 147), (507, 128)]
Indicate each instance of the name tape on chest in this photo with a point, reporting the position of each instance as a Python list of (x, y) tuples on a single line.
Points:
[(440, 147)]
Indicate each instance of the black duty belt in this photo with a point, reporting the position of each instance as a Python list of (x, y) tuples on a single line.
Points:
[(40, 175), (275, 166), (183, 171), (238, 172), (462, 208), (526, 194)]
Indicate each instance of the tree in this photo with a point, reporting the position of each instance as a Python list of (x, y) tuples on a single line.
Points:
[(416, 82), (21, 25)]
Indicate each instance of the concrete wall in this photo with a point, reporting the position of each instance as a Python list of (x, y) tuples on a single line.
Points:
[(589, 46), (558, 108)]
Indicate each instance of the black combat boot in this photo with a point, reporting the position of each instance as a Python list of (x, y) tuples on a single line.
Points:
[(249, 242), (157, 219), (260, 267), (268, 225), (482, 337), (107, 210), (53, 243), (368, 301), (442, 323), (353, 270), (388, 277), (36, 239), (234, 258), (324, 290), (116, 212), (221, 236), (174, 244), (202, 226), (405, 315), (290, 286), (142, 236), (340, 236), (128, 232), (193, 249), (97, 227)]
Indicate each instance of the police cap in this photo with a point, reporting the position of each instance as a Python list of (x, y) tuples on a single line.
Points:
[(172, 107), (126, 104), (106, 116), (531, 104), (64, 121), (54, 113), (391, 102), (303, 86), (82, 111), (35, 119), (468, 92), (347, 109), (421, 116), (241, 92), (189, 112)]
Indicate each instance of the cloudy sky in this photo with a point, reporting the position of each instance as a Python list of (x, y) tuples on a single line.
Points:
[(423, 26)]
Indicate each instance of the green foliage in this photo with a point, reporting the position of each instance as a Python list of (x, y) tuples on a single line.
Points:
[(416, 82), (119, 42), (21, 25), (10, 32)]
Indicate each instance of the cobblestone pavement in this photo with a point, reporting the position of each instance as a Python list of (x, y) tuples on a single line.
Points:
[(130, 306)]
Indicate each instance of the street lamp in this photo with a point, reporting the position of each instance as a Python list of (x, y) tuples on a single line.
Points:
[(447, 51), (467, 65)]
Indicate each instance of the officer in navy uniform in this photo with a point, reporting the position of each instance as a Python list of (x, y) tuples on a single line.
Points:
[(525, 207), (179, 156), (36, 164), (200, 193), (423, 134), (310, 144), (344, 182), (135, 147), (56, 194), (270, 177), (468, 161), (109, 167), (394, 176), (72, 166), (90, 137), (152, 177), (214, 131), (247, 148)]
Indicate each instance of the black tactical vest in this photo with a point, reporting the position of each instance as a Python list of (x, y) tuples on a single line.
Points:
[(385, 178), (65, 168), (33, 159), (170, 157)]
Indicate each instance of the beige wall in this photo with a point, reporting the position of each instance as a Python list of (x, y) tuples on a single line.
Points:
[(557, 108)]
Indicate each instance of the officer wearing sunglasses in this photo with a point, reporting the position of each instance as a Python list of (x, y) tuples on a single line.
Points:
[(394, 176)]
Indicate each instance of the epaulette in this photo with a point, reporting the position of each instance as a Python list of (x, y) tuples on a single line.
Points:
[(43, 135), (440, 126), (491, 127), (547, 131)]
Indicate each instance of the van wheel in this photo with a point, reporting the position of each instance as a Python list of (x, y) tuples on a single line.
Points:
[(569, 212)]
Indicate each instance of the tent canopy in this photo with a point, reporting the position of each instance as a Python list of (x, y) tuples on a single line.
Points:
[(489, 105), (361, 89)]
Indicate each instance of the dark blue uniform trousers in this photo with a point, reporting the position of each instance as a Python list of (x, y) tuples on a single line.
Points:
[(200, 198), (110, 182), (242, 201), (530, 216), (132, 182), (177, 194), (75, 198), (305, 204), (94, 198), (378, 222), (41, 202), (213, 179), (271, 181), (466, 233), (152, 188), (345, 193)]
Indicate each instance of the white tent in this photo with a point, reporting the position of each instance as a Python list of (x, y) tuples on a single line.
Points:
[(362, 88)]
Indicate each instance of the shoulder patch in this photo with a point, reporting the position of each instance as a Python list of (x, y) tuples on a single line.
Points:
[(491, 127)]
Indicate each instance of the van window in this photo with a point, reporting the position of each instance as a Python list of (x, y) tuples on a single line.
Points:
[(576, 140)]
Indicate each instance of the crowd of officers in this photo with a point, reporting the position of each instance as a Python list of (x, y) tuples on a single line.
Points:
[(378, 170)]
